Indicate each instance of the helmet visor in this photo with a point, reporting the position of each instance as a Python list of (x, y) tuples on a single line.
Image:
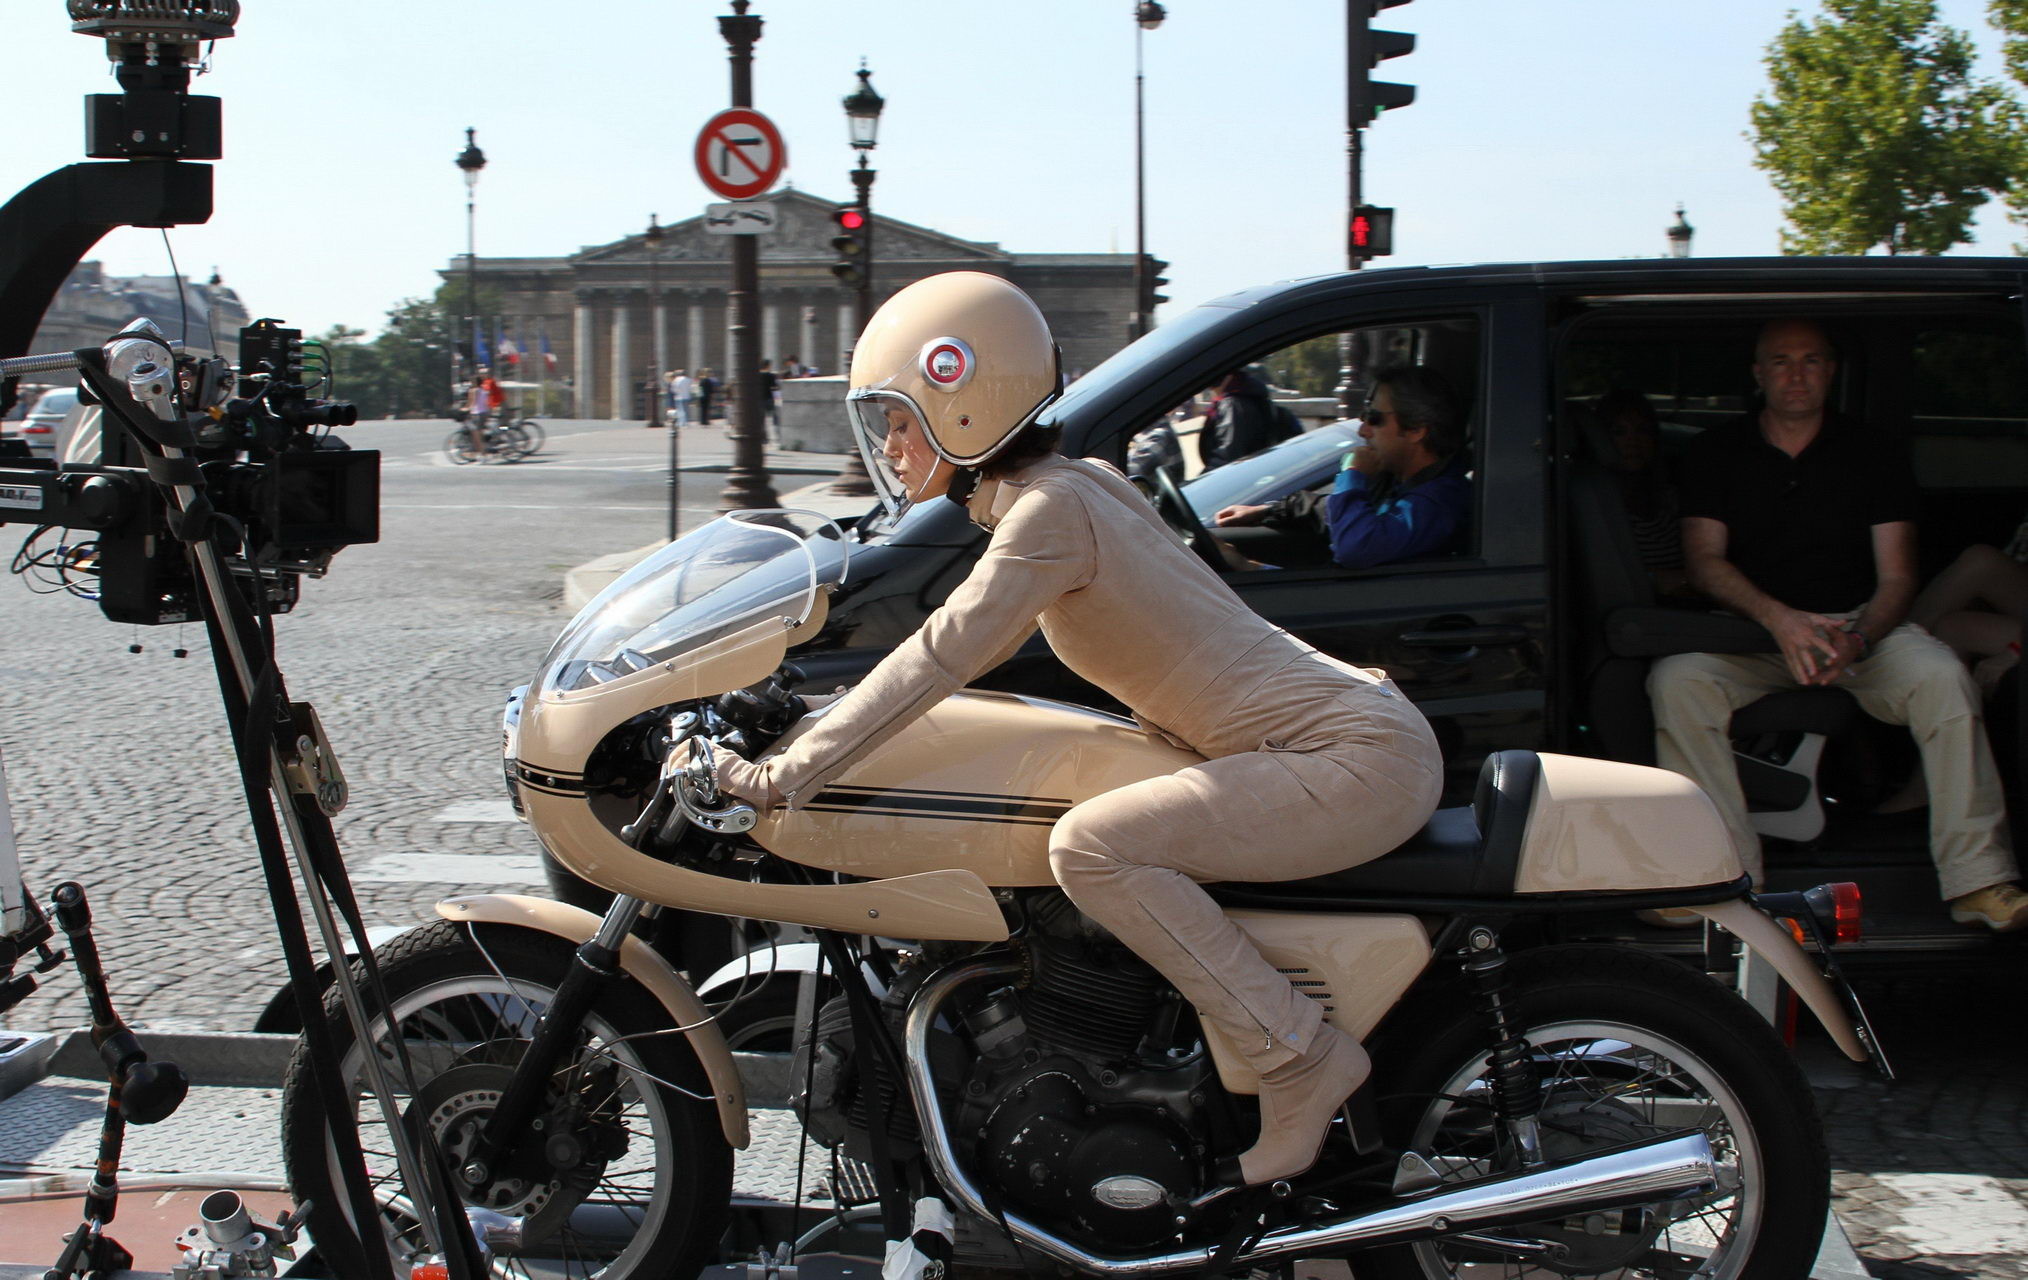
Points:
[(875, 415)]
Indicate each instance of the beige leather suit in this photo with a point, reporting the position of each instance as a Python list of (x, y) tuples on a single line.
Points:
[(1312, 765)]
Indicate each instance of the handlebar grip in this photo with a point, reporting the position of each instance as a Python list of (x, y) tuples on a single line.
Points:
[(152, 1091)]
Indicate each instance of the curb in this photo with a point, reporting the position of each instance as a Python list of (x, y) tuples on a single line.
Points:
[(258, 1060)]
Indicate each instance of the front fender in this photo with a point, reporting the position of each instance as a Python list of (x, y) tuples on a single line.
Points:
[(643, 964), (1774, 945)]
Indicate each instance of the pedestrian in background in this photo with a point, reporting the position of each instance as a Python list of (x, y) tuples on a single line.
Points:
[(707, 389), (681, 388)]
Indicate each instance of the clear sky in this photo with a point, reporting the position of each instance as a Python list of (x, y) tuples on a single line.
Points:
[(1542, 130)]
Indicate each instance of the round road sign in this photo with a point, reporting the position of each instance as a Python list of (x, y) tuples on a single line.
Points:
[(740, 153)]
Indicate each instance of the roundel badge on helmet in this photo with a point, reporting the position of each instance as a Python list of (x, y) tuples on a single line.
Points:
[(948, 363)]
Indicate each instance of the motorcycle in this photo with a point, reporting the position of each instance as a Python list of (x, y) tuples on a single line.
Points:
[(1005, 1076)]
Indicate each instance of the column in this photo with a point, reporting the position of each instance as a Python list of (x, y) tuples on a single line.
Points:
[(807, 348), (622, 382), (661, 339), (848, 337), (581, 359), (771, 332), (696, 342)]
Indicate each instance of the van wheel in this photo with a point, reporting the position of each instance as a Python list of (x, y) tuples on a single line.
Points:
[(1627, 1046)]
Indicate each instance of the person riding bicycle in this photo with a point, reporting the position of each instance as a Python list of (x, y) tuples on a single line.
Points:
[(1311, 765), (482, 401)]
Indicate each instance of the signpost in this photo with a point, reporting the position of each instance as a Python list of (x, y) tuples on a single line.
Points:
[(745, 218), (740, 153)]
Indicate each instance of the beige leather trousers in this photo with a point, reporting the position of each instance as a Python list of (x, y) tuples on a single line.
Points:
[(1910, 678), (1360, 779)]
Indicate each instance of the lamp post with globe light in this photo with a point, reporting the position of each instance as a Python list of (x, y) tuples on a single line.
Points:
[(862, 119), (470, 161), (1679, 234), (1147, 16)]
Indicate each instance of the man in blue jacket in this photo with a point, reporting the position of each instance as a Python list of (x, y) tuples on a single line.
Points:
[(1405, 492)]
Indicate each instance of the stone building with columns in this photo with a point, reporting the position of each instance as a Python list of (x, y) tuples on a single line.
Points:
[(607, 310)]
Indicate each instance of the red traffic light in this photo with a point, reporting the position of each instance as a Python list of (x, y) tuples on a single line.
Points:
[(1371, 233), (850, 219)]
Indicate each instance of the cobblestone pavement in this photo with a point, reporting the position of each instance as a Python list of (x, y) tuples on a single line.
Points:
[(122, 778), (1932, 1171), (121, 772)]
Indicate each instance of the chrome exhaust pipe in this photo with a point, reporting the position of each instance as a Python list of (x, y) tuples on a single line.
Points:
[(1664, 1168)]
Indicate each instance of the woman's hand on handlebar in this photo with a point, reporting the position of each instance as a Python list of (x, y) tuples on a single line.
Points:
[(733, 776)]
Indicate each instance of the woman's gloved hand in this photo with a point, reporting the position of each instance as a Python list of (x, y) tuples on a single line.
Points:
[(735, 777)]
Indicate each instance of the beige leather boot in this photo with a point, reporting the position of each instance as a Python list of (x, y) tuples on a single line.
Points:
[(1297, 1101)]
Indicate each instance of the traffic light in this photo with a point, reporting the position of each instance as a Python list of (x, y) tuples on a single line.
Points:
[(850, 243), (1367, 49), (1152, 284), (1372, 232)]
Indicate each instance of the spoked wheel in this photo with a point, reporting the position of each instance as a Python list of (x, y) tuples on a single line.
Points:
[(459, 448), (628, 1174), (1627, 1047), (532, 431)]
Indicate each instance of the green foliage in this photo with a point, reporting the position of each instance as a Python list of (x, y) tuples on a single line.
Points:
[(1309, 368), (2011, 17), (1875, 133)]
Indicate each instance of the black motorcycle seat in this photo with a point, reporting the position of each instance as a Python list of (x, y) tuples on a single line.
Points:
[(1471, 851)]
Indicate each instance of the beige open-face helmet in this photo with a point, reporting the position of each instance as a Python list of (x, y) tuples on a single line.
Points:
[(966, 357)]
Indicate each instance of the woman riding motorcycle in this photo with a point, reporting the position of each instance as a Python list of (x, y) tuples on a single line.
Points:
[(1311, 765)]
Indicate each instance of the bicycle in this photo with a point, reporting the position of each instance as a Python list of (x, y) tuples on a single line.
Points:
[(502, 441)]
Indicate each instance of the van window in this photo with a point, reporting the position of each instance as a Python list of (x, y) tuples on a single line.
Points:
[(1310, 437)]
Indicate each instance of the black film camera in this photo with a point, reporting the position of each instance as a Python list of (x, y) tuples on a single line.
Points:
[(248, 457)]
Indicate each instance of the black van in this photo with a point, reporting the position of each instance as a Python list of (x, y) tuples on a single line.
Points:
[(1539, 631)]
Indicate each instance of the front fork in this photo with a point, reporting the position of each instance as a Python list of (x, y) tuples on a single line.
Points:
[(1516, 1091), (593, 967)]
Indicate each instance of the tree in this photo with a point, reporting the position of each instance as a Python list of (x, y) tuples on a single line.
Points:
[(2011, 17), (1875, 133)]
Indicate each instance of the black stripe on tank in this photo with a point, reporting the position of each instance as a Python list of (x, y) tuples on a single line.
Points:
[(958, 805)]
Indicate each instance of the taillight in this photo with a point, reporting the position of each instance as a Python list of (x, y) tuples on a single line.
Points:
[(38, 431), (1844, 911)]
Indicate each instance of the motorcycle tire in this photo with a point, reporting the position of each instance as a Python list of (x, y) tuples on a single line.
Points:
[(459, 448), (1628, 1045), (641, 1190)]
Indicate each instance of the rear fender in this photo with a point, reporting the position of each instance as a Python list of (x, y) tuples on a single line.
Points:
[(1774, 945), (645, 966)]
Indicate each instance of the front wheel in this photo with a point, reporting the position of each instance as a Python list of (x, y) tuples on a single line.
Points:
[(1627, 1046), (459, 448), (625, 1172)]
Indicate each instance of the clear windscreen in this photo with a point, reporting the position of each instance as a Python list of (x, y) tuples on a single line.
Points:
[(741, 569)]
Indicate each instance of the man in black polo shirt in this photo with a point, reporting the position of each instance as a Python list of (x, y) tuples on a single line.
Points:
[(1806, 523)]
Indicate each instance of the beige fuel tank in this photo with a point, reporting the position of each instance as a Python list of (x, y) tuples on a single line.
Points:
[(976, 783)]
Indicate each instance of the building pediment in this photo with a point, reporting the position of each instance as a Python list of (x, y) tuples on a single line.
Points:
[(802, 235)]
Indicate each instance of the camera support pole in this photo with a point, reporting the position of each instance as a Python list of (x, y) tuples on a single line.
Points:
[(134, 377)]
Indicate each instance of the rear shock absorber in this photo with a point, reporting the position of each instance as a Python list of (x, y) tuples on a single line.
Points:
[(1517, 1093)]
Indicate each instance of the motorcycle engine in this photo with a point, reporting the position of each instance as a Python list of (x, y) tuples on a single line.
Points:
[(1084, 1104), (1078, 1108)]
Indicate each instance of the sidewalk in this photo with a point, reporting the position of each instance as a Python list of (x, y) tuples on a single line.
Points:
[(815, 476)]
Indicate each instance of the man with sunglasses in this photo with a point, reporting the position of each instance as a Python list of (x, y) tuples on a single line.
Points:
[(1403, 493)]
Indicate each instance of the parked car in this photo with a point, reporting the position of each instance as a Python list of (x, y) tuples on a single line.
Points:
[(40, 424), (1534, 633)]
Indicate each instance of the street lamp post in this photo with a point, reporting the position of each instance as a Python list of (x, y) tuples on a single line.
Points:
[(862, 120), (1147, 16), (471, 160), (1679, 234), (746, 484), (658, 345)]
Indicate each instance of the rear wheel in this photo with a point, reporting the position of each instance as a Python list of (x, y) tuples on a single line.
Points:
[(1627, 1046), (535, 435), (629, 1173)]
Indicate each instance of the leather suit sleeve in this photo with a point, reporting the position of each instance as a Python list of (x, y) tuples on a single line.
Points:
[(1042, 549)]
